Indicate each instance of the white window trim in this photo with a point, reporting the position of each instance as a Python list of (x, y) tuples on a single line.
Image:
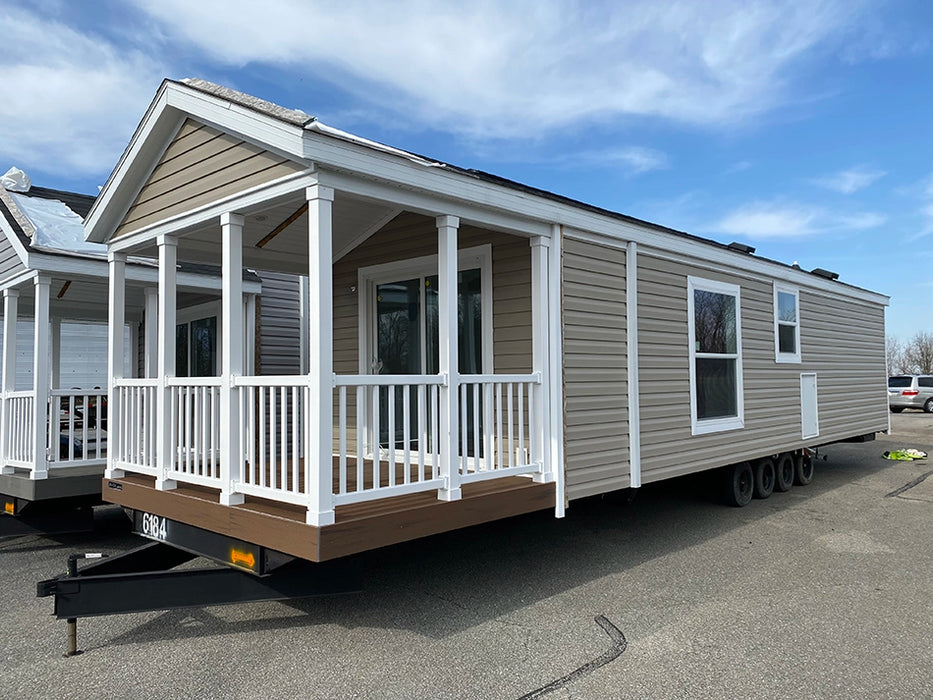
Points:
[(199, 312), (786, 357), (425, 266), (715, 425)]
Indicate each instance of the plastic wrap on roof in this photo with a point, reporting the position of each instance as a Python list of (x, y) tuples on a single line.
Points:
[(57, 227), (15, 180)]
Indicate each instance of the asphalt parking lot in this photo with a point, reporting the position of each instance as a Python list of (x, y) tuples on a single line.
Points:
[(824, 591)]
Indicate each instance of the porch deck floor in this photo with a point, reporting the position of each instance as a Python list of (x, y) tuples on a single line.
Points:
[(359, 526)]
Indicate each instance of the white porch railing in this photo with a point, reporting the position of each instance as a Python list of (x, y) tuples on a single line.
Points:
[(77, 427), (133, 426), (394, 446), (195, 430), (19, 429), (386, 433), (499, 433), (273, 412)]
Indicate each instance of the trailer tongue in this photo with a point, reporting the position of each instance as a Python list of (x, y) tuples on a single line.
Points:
[(146, 579)]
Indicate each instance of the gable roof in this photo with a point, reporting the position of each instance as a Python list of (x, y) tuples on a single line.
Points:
[(306, 140)]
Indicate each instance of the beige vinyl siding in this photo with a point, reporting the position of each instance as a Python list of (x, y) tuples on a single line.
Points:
[(410, 236), (596, 445), (842, 341), (200, 166)]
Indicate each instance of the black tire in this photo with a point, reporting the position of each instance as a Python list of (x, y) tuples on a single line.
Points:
[(784, 472), (764, 477), (928, 406), (895, 409), (739, 482), (803, 472)]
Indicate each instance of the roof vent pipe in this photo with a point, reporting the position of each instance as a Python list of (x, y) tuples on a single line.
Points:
[(741, 248), (827, 274)]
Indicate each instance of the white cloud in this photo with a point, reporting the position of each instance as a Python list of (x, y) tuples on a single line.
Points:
[(68, 102), (520, 68), (760, 220), (851, 180), (634, 160)]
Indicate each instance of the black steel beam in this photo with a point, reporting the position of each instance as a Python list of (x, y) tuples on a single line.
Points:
[(111, 594)]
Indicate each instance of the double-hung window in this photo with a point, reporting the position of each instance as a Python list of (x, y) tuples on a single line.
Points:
[(715, 356), (786, 324)]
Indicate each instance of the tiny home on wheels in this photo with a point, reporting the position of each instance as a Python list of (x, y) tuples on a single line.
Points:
[(475, 348), (53, 404)]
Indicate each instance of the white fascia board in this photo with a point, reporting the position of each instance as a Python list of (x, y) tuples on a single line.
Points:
[(149, 141), (172, 105), (8, 229), (409, 179), (294, 182), (430, 203), (261, 129), (26, 276), (768, 272), (144, 274)]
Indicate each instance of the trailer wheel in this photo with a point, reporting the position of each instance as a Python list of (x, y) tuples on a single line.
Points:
[(785, 470), (764, 477), (803, 474), (739, 484)]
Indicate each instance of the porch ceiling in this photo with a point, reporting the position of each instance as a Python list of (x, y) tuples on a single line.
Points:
[(275, 237)]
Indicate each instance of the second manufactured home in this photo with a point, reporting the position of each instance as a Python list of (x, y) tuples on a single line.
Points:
[(471, 348)]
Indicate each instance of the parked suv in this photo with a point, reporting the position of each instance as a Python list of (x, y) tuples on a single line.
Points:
[(910, 391)]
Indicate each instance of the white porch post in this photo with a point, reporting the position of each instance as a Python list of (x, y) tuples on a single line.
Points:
[(249, 347), (40, 378), (448, 355), (319, 445), (231, 357), (303, 292), (168, 260), (115, 319), (540, 360), (151, 325), (10, 311), (555, 390), (134, 350), (56, 353)]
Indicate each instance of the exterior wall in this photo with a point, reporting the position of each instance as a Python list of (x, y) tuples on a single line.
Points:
[(84, 355), (201, 165), (278, 324), (593, 312), (10, 264), (841, 340), (411, 236)]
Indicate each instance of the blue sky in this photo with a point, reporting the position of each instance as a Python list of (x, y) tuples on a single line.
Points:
[(802, 128)]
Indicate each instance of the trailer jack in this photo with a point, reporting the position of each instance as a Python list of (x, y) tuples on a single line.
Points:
[(145, 579)]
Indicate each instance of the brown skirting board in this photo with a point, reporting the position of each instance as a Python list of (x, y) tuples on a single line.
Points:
[(358, 527)]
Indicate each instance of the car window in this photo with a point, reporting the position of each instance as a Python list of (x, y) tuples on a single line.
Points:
[(899, 382), (925, 381)]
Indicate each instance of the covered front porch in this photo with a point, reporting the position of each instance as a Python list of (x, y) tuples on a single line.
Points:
[(426, 367)]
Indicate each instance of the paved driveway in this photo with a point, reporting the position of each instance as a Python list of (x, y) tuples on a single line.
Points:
[(824, 591)]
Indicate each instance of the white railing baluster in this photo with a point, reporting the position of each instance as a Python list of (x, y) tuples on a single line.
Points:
[(422, 432), (406, 433), (390, 434), (498, 464), (342, 439), (360, 434)]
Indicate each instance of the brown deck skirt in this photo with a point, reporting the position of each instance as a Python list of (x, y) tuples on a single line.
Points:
[(358, 527)]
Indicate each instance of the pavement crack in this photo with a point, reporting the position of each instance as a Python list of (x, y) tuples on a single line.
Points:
[(909, 485), (619, 645)]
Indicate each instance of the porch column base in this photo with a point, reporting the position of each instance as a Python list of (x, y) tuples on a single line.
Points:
[(165, 484), (320, 519), (37, 475), (545, 478), (110, 473), (7, 470), (449, 494), (232, 499)]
